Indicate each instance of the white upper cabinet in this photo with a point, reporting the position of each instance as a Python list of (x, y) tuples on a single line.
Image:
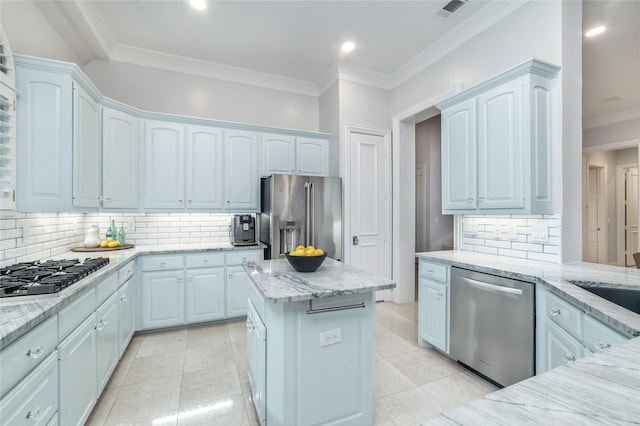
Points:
[(312, 156), (277, 154), (205, 164), (120, 160), (86, 149), (241, 154), (44, 148), (497, 142), (164, 165)]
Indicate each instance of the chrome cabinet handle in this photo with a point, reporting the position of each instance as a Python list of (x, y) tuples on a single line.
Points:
[(35, 353), (601, 345), (555, 312), (469, 199), (206, 261), (162, 264), (568, 357), (430, 271), (439, 295), (34, 415), (124, 298)]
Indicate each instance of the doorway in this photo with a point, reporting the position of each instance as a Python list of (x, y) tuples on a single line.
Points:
[(627, 208), (596, 249)]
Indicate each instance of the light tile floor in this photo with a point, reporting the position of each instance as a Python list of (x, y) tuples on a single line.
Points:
[(198, 376)]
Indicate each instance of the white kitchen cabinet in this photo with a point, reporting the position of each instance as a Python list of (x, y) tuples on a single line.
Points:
[(44, 139), (126, 314), (164, 165), (205, 294), (497, 143), (108, 349), (205, 165), (35, 400), (285, 154), (238, 282), (86, 149), (433, 305), (559, 346), (120, 160), (277, 154), (597, 336), (77, 373), (241, 173), (312, 157), (7, 148), (257, 361), (162, 299)]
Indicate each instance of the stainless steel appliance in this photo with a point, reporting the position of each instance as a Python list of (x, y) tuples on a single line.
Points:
[(51, 276), (301, 210), (244, 230), (493, 325)]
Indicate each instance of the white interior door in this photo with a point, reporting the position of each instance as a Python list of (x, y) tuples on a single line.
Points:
[(368, 227), (631, 211), (596, 238), (422, 243)]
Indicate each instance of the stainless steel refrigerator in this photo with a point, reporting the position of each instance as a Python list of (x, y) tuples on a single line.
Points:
[(301, 210)]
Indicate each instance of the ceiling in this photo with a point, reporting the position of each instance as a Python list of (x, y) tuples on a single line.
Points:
[(295, 45)]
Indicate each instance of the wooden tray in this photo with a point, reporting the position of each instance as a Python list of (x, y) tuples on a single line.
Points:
[(124, 247)]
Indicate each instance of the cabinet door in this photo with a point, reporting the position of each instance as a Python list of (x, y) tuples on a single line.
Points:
[(257, 360), (120, 160), (204, 168), (126, 314), (107, 339), (78, 376), (559, 346), (44, 135), (312, 157), (164, 165), (459, 156), (162, 299), (86, 149), (434, 313), (277, 154), (501, 166), (205, 294), (7, 148), (241, 153), (238, 283)]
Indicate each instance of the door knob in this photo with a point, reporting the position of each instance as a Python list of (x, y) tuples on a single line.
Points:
[(356, 240)]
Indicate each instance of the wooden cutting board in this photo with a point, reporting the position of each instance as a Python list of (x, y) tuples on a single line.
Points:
[(124, 247)]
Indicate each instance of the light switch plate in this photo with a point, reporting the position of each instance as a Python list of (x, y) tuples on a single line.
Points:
[(540, 234), (330, 337)]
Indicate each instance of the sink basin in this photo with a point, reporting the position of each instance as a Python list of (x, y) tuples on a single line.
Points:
[(623, 295)]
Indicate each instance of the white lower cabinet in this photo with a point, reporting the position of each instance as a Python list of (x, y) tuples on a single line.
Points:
[(35, 400), (126, 314), (433, 305), (205, 294), (108, 348), (162, 299), (238, 282), (257, 360), (78, 377), (559, 346)]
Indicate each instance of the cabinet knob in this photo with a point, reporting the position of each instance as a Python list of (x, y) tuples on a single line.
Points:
[(180, 201), (190, 201), (124, 298), (179, 280), (34, 415), (469, 200), (601, 345), (162, 264), (35, 353), (568, 357), (480, 198), (555, 312)]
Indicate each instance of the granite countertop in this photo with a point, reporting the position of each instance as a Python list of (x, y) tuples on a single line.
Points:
[(19, 315), (280, 283), (601, 388)]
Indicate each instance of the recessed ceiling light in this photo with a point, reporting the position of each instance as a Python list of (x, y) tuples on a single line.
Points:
[(348, 46), (198, 4), (595, 31)]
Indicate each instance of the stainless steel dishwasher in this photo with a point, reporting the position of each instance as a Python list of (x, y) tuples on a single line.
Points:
[(493, 325)]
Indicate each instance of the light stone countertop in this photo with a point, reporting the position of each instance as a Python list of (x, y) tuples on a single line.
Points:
[(21, 314), (280, 283), (601, 388)]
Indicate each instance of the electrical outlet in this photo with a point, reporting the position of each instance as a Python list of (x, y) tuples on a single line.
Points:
[(470, 230), (330, 337), (540, 234)]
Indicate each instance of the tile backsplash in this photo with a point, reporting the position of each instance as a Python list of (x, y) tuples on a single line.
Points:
[(32, 236), (534, 237)]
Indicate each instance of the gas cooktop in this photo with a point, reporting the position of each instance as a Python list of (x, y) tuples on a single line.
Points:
[(51, 276)]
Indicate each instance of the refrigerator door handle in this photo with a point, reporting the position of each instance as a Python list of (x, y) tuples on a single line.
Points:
[(307, 213), (312, 228)]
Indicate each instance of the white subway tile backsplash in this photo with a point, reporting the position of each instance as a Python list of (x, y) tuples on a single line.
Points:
[(487, 250), (512, 253)]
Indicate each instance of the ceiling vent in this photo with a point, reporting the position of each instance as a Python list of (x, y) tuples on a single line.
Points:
[(450, 7)]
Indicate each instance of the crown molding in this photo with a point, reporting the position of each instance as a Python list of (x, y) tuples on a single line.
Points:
[(198, 67), (88, 20), (614, 117)]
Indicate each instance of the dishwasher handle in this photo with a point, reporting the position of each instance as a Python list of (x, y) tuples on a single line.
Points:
[(493, 287)]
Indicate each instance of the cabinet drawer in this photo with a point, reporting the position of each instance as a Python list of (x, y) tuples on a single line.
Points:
[(35, 400), (126, 272), (564, 314), (433, 271), (159, 263), (26, 353), (240, 256), (599, 336), (71, 316), (106, 288), (204, 260)]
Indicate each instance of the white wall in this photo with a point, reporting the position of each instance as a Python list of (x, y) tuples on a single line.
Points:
[(329, 122), (622, 131)]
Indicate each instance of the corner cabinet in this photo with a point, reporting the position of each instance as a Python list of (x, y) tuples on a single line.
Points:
[(497, 143), (86, 148), (433, 305)]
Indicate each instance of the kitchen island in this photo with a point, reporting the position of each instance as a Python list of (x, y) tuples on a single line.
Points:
[(310, 343)]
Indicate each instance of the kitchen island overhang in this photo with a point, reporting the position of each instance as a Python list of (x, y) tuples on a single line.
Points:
[(310, 343)]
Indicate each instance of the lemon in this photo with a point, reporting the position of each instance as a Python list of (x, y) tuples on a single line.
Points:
[(296, 253), (113, 244), (300, 248), (310, 248), (318, 252), (110, 239), (104, 243)]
